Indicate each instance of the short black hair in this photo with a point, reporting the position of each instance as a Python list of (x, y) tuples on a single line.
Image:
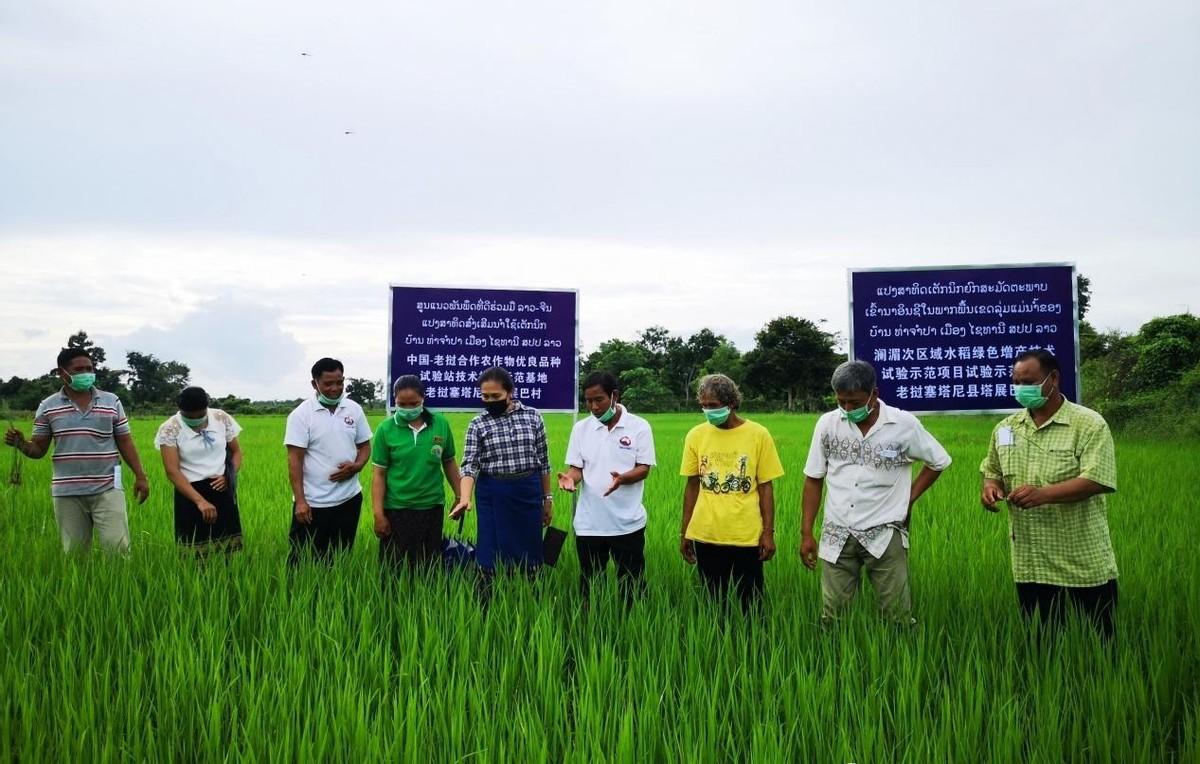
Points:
[(66, 355), (408, 382), (192, 399), (326, 365), (496, 374), (602, 378), (1044, 358)]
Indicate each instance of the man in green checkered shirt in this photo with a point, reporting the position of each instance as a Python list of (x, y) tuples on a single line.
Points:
[(1053, 464)]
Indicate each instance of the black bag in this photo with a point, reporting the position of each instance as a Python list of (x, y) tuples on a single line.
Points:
[(457, 551), (552, 544)]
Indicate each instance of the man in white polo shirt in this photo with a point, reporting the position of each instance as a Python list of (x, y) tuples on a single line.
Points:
[(611, 452), (328, 443), (864, 450)]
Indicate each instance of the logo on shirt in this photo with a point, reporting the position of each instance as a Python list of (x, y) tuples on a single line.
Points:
[(625, 441), (349, 421), (739, 482)]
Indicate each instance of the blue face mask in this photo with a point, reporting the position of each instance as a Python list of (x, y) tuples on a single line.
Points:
[(81, 383), (327, 401), (408, 415)]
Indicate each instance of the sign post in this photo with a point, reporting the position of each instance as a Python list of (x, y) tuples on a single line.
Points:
[(448, 335), (943, 339)]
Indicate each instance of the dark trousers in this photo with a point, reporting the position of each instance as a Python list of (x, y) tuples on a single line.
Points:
[(509, 517), (331, 530), (415, 541), (1049, 602), (722, 566), (627, 552), (191, 529)]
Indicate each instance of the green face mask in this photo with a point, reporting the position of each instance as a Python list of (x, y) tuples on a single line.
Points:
[(607, 416), (1030, 396), (81, 383), (859, 414), (193, 422), (408, 415), (327, 401), (716, 417)]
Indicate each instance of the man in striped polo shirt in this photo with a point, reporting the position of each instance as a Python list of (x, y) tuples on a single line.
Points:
[(91, 434)]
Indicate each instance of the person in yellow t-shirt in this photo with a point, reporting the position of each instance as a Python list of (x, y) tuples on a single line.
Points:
[(729, 502)]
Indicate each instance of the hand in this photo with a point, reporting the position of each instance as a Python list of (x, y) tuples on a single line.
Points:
[(141, 489), (303, 512), (1028, 497), (547, 512), (992, 493), (566, 482), (688, 550), (218, 483), (345, 471), (383, 528), (808, 551), (461, 507), (766, 545), (14, 438), (207, 511), (616, 483)]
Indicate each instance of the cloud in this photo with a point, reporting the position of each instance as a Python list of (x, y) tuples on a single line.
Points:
[(230, 343)]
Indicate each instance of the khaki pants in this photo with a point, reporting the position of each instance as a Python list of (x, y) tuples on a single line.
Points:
[(888, 574), (104, 513)]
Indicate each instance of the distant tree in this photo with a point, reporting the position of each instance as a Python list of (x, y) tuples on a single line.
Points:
[(152, 381), (364, 392), (642, 391), (726, 359), (792, 356)]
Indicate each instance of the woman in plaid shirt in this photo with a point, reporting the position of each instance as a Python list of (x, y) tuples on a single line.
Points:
[(506, 464)]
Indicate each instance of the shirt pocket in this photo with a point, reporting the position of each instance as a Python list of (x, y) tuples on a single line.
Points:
[(1058, 465)]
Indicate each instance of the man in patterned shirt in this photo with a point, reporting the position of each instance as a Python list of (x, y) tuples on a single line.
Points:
[(1052, 463), (91, 435), (863, 450)]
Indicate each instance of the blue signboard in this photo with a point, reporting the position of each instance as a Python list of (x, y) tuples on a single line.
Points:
[(448, 335), (943, 339)]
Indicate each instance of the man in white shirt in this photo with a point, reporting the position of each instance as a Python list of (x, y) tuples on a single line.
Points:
[(864, 450), (328, 443), (611, 452)]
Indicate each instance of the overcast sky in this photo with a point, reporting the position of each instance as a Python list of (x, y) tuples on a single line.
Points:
[(178, 178)]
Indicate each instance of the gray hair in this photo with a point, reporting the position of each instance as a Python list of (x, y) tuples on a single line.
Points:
[(720, 387), (853, 377)]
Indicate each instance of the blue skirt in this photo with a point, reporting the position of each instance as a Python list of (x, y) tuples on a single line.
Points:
[(510, 522)]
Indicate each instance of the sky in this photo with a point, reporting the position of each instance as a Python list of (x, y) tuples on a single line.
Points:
[(234, 185)]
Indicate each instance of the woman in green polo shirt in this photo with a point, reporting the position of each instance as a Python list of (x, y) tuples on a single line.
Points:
[(412, 452)]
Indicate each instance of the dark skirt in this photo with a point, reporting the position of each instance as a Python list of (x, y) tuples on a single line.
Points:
[(192, 531), (510, 522)]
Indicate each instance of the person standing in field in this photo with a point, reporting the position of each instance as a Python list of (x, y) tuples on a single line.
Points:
[(1053, 464), (201, 455), (328, 443), (611, 453), (730, 464), (506, 467), (863, 452), (91, 435), (412, 452)]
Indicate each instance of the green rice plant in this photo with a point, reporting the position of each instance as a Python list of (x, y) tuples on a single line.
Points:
[(154, 657)]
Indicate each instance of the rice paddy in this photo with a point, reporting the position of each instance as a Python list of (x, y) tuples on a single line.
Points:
[(153, 657)]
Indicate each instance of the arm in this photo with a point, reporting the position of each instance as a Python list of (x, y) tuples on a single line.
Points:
[(235, 454), (1066, 492), (34, 448), (378, 491), (453, 477), (570, 479), (635, 475), (347, 470), (927, 477), (691, 492), (810, 503), (170, 460), (141, 486), (470, 468), (766, 507), (466, 488), (296, 478)]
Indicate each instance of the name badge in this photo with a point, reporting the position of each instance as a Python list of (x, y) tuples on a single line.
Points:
[(117, 484), (1004, 437), (889, 453)]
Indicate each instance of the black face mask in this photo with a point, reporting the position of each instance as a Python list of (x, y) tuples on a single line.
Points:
[(496, 408)]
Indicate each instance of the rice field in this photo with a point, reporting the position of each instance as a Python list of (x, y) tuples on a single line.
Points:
[(153, 658)]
